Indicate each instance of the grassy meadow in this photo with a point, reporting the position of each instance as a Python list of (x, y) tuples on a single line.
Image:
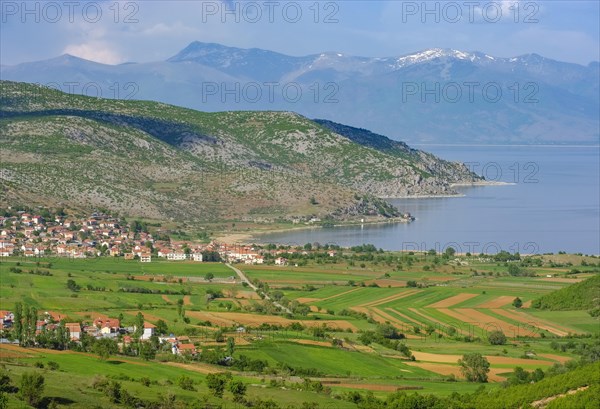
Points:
[(448, 310)]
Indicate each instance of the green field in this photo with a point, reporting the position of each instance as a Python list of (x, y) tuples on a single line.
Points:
[(336, 293)]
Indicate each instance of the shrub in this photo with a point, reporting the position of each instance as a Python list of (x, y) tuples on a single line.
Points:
[(31, 388), (52, 365), (186, 383), (497, 338)]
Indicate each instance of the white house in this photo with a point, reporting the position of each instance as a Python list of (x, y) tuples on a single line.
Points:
[(74, 329), (196, 256), (148, 330), (281, 261), (176, 256), (145, 258)]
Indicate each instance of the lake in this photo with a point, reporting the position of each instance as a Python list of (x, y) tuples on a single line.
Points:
[(551, 204)]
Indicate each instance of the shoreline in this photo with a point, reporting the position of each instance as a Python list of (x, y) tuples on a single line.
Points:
[(249, 236), (483, 183)]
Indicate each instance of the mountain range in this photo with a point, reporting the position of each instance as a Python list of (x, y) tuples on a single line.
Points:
[(162, 162), (432, 96)]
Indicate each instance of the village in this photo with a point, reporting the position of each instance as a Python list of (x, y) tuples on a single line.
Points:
[(32, 235), (41, 238), (53, 324)]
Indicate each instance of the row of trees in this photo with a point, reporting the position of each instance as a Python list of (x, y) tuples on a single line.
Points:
[(25, 323)]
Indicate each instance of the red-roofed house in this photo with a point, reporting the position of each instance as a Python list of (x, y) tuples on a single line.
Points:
[(74, 329), (148, 330), (107, 325), (186, 349)]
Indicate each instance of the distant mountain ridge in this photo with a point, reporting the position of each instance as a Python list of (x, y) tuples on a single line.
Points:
[(432, 96), (157, 161)]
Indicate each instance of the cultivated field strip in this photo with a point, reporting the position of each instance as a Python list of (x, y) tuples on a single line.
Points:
[(528, 319), (233, 318), (436, 321), (389, 299), (497, 302), (406, 317), (474, 317), (451, 301), (340, 294)]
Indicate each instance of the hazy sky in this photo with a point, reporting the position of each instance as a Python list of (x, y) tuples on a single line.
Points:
[(119, 31)]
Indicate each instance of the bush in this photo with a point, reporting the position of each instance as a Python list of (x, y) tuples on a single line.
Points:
[(31, 388), (53, 366), (497, 338), (217, 382), (238, 389), (186, 383), (474, 367)]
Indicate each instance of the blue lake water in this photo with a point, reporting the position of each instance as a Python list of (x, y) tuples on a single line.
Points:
[(551, 205)]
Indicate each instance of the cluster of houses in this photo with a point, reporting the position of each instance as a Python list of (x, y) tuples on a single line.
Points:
[(101, 327), (251, 255), (31, 235), (99, 234)]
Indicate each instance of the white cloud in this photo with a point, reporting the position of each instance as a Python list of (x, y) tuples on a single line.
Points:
[(98, 52)]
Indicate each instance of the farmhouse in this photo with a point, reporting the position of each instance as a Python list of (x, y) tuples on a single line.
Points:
[(6, 318), (281, 261), (74, 329), (196, 256), (176, 256), (185, 349), (148, 330), (107, 326)]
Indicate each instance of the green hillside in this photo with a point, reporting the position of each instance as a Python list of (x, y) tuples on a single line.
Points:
[(159, 161), (580, 296)]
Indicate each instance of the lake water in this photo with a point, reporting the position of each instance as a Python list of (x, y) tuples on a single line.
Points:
[(551, 205)]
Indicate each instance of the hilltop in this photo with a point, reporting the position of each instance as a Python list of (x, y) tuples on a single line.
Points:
[(158, 161), (579, 296)]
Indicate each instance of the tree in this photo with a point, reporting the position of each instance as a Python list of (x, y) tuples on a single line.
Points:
[(230, 346), (166, 401), (209, 276), (219, 336), (514, 270), (73, 286), (180, 307), (147, 351), (104, 348), (113, 391), (186, 383), (238, 389), (497, 338), (367, 337), (217, 382), (517, 303), (389, 331), (474, 367), (139, 325), (28, 329), (450, 252), (18, 322), (161, 327), (31, 388), (519, 376)]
